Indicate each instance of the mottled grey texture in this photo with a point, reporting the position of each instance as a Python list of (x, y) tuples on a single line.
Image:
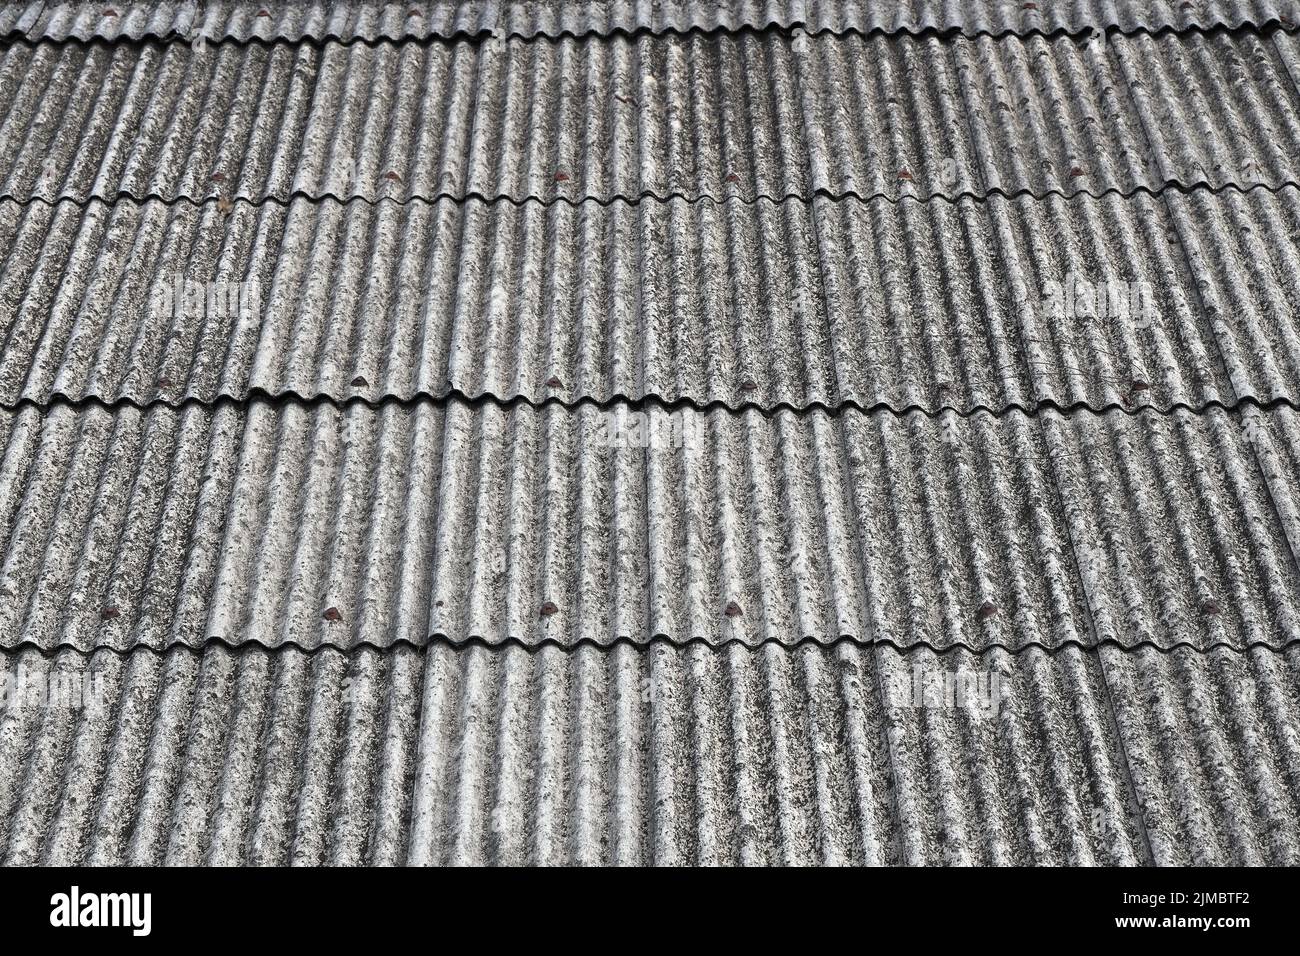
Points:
[(731, 115), (454, 521), (904, 305), (346, 592), (658, 755), (1243, 250)]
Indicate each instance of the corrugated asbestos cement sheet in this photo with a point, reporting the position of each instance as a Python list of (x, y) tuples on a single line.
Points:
[(905, 305), (417, 19), (282, 523), (650, 116), (658, 755)]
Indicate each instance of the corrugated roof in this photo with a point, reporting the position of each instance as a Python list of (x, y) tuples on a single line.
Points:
[(245, 20), (649, 116), (667, 755), (308, 524), (649, 432)]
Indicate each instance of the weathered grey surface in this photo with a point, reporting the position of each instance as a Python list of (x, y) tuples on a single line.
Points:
[(453, 521), (354, 597), (1244, 251), (904, 305), (16, 19), (998, 17), (1175, 527), (1210, 744), (656, 755), (649, 116), (107, 19), (418, 19)]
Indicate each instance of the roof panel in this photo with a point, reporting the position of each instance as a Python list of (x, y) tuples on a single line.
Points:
[(417, 19), (1175, 527), (347, 21), (54, 20), (1275, 438), (999, 17), (144, 495), (1005, 303), (927, 117), (646, 116), (215, 757), (512, 120), (656, 755), (1218, 108), (284, 523)]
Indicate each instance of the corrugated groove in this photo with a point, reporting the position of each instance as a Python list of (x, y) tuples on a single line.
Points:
[(283, 523), (645, 116)]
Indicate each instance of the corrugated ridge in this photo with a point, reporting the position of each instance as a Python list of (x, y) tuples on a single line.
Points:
[(667, 755), (243, 20), (647, 116), (990, 305), (312, 525)]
